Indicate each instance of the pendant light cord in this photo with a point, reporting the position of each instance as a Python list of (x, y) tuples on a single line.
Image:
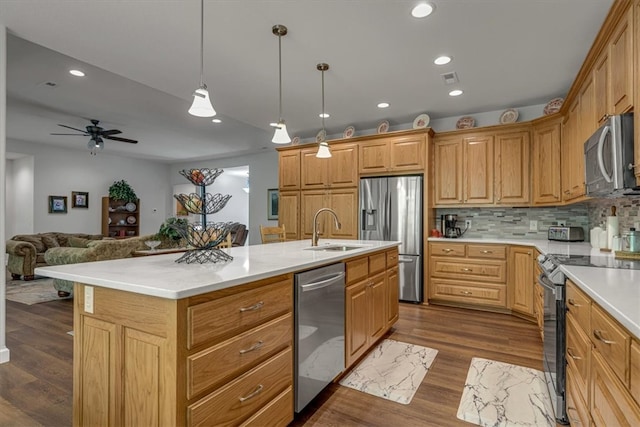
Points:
[(202, 85), (324, 132), (280, 72)]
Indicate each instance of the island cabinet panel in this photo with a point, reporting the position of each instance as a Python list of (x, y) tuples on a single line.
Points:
[(611, 341), (370, 302), (545, 164), (289, 170), (275, 413), (611, 404), (577, 408), (634, 378), (512, 160), (578, 356), (521, 284), (289, 214)]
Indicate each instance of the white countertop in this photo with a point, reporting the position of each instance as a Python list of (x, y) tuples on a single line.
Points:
[(616, 290), (161, 276)]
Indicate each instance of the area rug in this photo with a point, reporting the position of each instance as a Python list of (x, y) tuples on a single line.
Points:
[(32, 292), (393, 370), (501, 394)]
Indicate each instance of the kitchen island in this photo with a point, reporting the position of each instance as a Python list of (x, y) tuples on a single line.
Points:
[(162, 343)]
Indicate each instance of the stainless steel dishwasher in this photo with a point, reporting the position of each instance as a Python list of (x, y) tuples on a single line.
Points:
[(319, 330)]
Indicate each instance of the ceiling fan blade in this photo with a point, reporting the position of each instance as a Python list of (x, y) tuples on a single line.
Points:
[(69, 127), (110, 132), (70, 134), (115, 138)]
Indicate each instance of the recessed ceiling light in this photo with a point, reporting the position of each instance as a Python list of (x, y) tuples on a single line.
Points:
[(456, 92), (422, 10), (76, 73), (442, 60), (216, 121), (383, 105), (324, 115)]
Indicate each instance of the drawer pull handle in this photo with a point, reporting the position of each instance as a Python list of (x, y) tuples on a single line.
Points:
[(465, 293), (571, 355), (254, 307), (466, 269), (598, 334), (486, 252), (252, 348), (573, 420), (447, 250), (572, 302), (252, 394)]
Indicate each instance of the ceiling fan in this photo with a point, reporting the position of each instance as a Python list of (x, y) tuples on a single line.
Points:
[(97, 134)]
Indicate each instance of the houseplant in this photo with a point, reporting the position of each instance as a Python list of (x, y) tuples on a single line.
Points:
[(169, 229), (121, 190)]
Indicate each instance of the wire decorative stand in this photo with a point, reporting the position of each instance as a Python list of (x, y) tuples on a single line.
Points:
[(203, 238)]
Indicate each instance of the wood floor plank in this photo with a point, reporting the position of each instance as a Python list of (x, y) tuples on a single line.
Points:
[(36, 386)]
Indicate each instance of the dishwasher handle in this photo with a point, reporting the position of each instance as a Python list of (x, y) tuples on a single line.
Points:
[(322, 283)]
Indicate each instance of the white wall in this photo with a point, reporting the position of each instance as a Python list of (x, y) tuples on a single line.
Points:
[(58, 172), (4, 351), (20, 196), (263, 169)]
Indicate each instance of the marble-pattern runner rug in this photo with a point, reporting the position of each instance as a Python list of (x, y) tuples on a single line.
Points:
[(32, 292), (393, 370), (500, 394)]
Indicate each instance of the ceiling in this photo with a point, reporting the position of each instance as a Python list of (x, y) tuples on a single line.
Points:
[(141, 61)]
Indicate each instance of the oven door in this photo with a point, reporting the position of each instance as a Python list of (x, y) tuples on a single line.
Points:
[(554, 345)]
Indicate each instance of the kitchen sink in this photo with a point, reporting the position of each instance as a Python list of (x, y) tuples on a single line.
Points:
[(333, 248)]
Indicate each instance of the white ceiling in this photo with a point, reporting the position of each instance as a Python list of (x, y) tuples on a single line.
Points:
[(142, 63)]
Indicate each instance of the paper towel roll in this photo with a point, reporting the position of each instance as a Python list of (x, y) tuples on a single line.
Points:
[(613, 229)]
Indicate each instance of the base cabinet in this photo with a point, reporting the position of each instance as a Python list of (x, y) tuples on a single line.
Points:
[(521, 281)]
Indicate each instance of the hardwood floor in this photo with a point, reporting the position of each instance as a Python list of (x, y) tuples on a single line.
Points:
[(36, 386)]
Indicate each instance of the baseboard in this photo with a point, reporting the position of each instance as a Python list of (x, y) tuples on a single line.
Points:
[(4, 355)]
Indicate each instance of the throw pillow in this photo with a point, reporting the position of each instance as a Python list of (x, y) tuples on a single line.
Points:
[(50, 241), (78, 242), (35, 241)]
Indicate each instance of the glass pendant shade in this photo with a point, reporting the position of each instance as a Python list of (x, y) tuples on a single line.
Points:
[(281, 136), (201, 106), (323, 151)]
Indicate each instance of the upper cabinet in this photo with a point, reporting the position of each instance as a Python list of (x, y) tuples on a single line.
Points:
[(621, 57), (393, 154), (636, 117), (447, 171), (340, 170), (512, 157), (289, 170), (545, 163)]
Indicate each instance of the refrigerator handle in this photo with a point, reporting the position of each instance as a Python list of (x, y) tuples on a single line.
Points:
[(389, 221)]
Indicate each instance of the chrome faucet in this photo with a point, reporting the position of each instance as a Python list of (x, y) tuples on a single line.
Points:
[(316, 233)]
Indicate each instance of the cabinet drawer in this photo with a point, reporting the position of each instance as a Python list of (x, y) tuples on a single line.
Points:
[(578, 357), (392, 258), (377, 263), (278, 412), (494, 271), (469, 292), (447, 249), (487, 251), (634, 380), (231, 357), (577, 409), (233, 313), (578, 307), (357, 270), (611, 341), (236, 401)]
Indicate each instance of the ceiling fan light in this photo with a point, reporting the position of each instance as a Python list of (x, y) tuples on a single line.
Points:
[(201, 106), (323, 151), (281, 136)]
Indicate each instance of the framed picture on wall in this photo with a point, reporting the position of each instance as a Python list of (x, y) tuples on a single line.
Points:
[(57, 204), (79, 199), (272, 203)]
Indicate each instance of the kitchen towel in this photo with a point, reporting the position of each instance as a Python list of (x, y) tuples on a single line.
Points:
[(393, 370)]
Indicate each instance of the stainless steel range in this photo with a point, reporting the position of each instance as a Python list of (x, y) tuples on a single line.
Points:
[(552, 281)]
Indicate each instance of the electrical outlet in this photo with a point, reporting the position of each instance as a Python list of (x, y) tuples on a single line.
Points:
[(88, 299), (533, 225), (467, 223)]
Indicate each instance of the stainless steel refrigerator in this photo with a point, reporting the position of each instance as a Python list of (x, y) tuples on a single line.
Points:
[(391, 209)]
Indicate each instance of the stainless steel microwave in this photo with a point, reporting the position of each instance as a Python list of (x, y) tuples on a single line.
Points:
[(608, 159)]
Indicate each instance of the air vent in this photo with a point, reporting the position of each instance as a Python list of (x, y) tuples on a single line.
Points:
[(49, 84), (450, 78)]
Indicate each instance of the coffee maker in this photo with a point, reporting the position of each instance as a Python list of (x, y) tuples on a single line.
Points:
[(449, 228)]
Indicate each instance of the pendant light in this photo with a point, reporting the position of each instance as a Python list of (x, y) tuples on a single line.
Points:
[(280, 136), (201, 106), (323, 147)]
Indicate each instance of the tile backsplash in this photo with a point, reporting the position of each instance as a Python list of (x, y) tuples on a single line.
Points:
[(514, 223)]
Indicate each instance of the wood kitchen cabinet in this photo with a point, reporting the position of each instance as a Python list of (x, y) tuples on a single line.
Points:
[(343, 201), (621, 57), (368, 302), (339, 170), (393, 290), (521, 284), (545, 163), (573, 185), (447, 165), (602, 90), (289, 170), (393, 154), (636, 87), (289, 214), (512, 160)]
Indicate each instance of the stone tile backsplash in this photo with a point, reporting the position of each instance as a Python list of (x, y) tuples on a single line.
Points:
[(514, 223)]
